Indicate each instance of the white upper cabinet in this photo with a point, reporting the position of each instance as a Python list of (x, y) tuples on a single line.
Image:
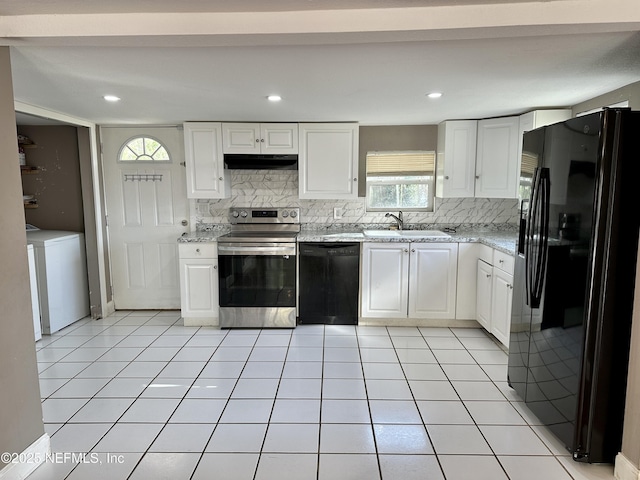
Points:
[(497, 158), (541, 118), (204, 161), (456, 158), (264, 138), (328, 160)]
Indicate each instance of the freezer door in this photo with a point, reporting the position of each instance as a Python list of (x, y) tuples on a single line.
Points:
[(612, 266)]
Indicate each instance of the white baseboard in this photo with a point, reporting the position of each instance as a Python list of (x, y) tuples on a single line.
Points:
[(201, 321), (418, 322), (34, 456), (624, 469), (108, 309)]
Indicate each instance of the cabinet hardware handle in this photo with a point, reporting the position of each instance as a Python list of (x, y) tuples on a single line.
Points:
[(477, 177), (221, 179), (406, 250), (488, 275), (197, 250), (413, 250), (355, 179), (509, 285), (257, 140), (262, 140), (446, 177), (215, 267)]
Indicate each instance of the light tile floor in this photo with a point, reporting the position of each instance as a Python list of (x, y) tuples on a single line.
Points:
[(152, 399)]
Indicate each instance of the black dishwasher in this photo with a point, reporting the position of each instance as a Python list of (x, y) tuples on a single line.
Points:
[(329, 283)]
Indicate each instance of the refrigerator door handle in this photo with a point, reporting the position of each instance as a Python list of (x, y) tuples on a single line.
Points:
[(543, 237), (529, 236), (522, 232), (537, 236)]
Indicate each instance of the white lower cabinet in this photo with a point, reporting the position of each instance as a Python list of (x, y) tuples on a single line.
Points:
[(483, 294), (409, 280), (494, 295), (199, 284), (385, 280), (501, 299)]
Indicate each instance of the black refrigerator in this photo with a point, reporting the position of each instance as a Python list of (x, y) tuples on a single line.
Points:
[(574, 277)]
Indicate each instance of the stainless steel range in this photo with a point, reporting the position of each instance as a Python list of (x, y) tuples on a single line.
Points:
[(257, 268)]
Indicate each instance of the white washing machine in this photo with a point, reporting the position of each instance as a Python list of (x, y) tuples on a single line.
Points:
[(61, 269)]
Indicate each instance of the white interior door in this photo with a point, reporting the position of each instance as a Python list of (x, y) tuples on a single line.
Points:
[(147, 210)]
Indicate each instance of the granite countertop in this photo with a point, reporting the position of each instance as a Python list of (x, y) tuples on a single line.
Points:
[(202, 237), (504, 241)]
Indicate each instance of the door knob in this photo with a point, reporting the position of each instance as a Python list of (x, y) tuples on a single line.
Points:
[(184, 223)]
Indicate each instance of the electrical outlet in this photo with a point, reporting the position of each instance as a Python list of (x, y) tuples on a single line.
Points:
[(337, 213), (203, 209)]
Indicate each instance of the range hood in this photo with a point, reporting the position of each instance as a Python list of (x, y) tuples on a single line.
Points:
[(260, 162)]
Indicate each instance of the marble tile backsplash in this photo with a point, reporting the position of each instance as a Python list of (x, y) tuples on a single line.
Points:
[(265, 188)]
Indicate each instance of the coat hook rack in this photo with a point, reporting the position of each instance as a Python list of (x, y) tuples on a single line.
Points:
[(143, 177)]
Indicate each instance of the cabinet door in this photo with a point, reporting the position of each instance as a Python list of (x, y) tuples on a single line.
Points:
[(199, 290), (456, 165), (328, 160), (483, 294), (468, 254), (432, 280), (501, 299), (204, 162), (279, 138), (497, 158), (385, 280), (241, 138)]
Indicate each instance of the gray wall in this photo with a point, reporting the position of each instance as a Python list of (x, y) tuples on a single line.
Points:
[(631, 434), (57, 187), (630, 92), (20, 409), (388, 138)]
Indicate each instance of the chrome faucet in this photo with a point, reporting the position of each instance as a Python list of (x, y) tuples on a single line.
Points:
[(399, 220)]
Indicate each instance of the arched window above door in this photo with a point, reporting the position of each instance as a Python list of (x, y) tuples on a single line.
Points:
[(143, 149)]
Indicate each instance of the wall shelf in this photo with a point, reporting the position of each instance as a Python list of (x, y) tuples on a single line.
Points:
[(27, 170)]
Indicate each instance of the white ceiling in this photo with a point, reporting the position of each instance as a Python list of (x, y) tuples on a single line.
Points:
[(484, 66)]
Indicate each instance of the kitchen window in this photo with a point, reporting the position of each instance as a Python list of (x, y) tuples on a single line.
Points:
[(528, 166), (400, 180)]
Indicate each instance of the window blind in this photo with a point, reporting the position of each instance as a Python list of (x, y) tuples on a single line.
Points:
[(401, 163), (529, 163)]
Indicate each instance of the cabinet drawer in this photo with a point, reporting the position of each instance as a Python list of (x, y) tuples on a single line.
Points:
[(503, 261), (485, 254), (198, 250)]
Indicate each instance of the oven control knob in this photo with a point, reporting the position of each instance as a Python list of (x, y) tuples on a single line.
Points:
[(285, 214), (235, 214), (293, 214), (243, 214)]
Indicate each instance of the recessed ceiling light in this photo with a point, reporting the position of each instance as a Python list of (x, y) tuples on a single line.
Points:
[(274, 98), (111, 98), (434, 95)]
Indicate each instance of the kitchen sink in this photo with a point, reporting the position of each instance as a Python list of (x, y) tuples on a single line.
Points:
[(404, 233)]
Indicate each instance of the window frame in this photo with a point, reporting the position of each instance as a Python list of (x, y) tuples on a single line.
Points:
[(393, 180), (151, 161)]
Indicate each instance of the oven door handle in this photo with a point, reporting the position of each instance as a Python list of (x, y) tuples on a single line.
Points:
[(256, 250)]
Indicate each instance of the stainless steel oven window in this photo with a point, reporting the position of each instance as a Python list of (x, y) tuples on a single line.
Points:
[(250, 280)]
